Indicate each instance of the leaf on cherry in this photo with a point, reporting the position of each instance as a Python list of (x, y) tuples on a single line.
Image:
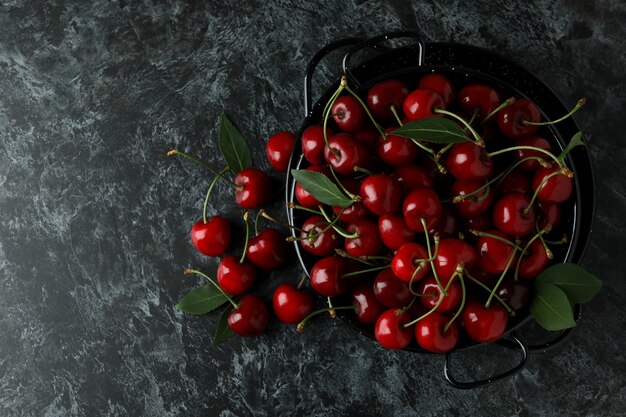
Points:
[(579, 285), (223, 331), (576, 140), (551, 308), (233, 146), (432, 129), (201, 300), (321, 187)]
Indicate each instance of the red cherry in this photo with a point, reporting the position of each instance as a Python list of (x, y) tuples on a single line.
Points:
[(250, 318), (253, 188), (366, 306), (448, 223), (343, 153), (485, 324), (555, 189), (510, 216), (383, 95), (515, 293), (494, 254), (478, 98), (292, 305), (326, 276), (355, 211), (515, 182), (323, 243), (396, 150), (450, 302), (407, 259), (421, 203), (511, 119), (534, 261), (381, 194), (451, 253), (431, 336), (278, 150), (213, 237), (348, 114), (268, 250), (393, 231), (549, 215), (469, 162), (390, 291), (390, 331), (233, 277), (421, 103), (313, 144), (367, 242), (411, 177), (537, 142), (439, 83), (474, 205), (304, 198)]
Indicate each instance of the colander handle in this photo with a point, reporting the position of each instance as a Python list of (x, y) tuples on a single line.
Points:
[(474, 384)]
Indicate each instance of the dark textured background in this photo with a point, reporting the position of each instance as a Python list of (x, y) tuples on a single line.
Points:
[(94, 218)]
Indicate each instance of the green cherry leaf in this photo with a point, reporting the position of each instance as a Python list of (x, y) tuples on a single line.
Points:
[(577, 140), (233, 146), (321, 187), (432, 129), (579, 285), (551, 308), (222, 331), (201, 300)]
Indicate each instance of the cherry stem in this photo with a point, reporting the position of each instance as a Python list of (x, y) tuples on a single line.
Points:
[(266, 216), (549, 253), (326, 113), (563, 240), (477, 139), (315, 313), (337, 228), (495, 111), (365, 271), (299, 207), (458, 312), (345, 254), (419, 268), (523, 252), (360, 169), (210, 190), (302, 281), (432, 257), (498, 298), (578, 105), (432, 153), (332, 311), (531, 148), (190, 271), (203, 164), (367, 110), (443, 150), (396, 115), (245, 245), (495, 288), (432, 310), (536, 193), (256, 224), (354, 197), (480, 233)]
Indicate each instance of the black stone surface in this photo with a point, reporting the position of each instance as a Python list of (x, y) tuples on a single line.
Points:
[(94, 219)]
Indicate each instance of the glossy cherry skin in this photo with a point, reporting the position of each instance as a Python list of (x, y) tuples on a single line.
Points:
[(477, 203), (366, 306), (323, 242), (233, 277), (381, 194), (268, 250), (515, 182), (515, 293), (485, 325), (254, 188), (250, 318), (396, 150), (348, 114), (357, 210), (367, 242), (279, 148), (411, 177), (389, 329), (326, 276), (534, 261), (393, 231), (313, 144), (555, 189), (431, 335), (213, 237), (537, 142), (450, 302), (292, 305), (383, 95), (440, 84), (549, 215), (407, 259), (509, 215), (511, 118), (421, 103), (305, 199), (343, 153), (451, 253), (390, 291), (448, 223), (494, 254), (469, 162), (421, 203), (478, 98)]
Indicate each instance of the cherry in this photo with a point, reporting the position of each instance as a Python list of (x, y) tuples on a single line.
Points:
[(313, 144), (411, 177), (421, 203), (393, 231), (383, 95), (305, 199), (234, 277), (440, 84), (451, 254), (515, 182), (343, 153), (407, 259), (511, 119), (534, 261), (448, 223), (389, 329), (323, 242), (367, 241), (549, 215), (366, 306), (555, 189), (431, 335), (485, 324), (509, 215), (478, 98), (213, 237), (348, 114), (278, 150), (381, 194), (292, 305), (390, 291), (326, 276), (477, 203), (515, 293), (357, 209), (268, 250), (450, 302), (250, 318), (396, 150), (469, 162), (537, 142), (421, 103), (253, 188), (494, 254), (369, 137)]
